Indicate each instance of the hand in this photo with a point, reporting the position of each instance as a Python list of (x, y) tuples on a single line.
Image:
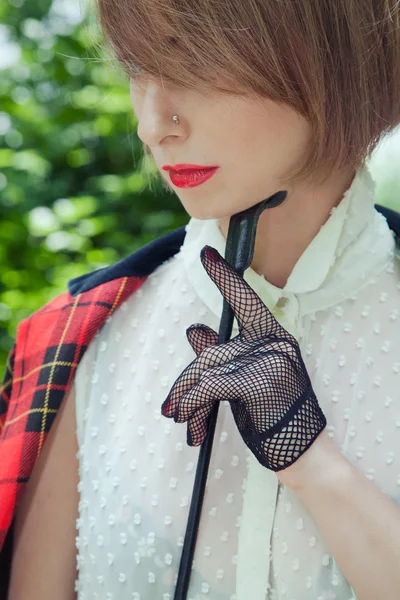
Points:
[(260, 372)]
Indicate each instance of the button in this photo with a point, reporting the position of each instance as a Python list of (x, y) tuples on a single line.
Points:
[(282, 302)]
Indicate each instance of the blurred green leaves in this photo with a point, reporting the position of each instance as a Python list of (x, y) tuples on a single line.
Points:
[(73, 193)]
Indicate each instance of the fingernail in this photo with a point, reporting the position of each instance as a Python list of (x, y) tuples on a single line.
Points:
[(165, 408)]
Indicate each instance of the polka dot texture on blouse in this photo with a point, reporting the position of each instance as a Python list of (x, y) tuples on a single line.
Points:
[(137, 472)]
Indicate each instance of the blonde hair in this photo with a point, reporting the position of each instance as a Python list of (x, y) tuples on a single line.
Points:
[(335, 62)]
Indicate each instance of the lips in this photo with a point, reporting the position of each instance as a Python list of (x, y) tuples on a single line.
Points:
[(186, 176)]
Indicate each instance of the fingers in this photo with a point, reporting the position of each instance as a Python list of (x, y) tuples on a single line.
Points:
[(197, 426), (188, 378), (247, 306), (215, 385), (200, 336), (209, 358), (254, 318)]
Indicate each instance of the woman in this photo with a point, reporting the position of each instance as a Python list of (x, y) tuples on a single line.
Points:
[(258, 97)]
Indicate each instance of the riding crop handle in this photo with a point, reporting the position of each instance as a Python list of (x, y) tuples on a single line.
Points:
[(239, 252)]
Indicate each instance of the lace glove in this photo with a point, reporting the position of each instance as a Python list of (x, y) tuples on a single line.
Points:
[(260, 372)]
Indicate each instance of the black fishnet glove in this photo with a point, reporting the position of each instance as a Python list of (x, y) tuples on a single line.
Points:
[(260, 372)]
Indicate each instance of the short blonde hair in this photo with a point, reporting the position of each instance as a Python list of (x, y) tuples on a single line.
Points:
[(335, 62)]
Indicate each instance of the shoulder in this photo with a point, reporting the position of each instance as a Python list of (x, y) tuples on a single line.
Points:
[(105, 289), (48, 348), (139, 264), (59, 332)]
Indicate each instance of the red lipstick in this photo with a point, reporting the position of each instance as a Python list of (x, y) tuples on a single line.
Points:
[(188, 175)]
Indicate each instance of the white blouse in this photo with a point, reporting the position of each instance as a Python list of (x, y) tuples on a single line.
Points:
[(256, 540)]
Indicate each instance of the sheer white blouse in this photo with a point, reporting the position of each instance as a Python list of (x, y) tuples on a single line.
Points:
[(256, 540)]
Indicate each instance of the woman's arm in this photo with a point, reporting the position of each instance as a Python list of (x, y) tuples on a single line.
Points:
[(360, 524), (44, 555)]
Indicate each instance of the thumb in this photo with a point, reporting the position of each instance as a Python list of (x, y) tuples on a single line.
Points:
[(200, 336)]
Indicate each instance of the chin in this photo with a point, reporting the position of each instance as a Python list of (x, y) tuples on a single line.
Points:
[(205, 211), (208, 214)]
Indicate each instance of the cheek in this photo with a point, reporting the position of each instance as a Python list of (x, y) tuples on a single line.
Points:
[(136, 98), (134, 105), (277, 129)]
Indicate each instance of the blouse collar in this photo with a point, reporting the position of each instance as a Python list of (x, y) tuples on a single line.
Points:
[(354, 240)]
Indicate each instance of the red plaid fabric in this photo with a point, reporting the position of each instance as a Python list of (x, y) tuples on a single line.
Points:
[(41, 366)]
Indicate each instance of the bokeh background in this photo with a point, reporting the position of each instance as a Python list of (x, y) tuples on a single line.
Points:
[(75, 187)]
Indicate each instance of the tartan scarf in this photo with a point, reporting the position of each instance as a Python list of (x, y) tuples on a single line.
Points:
[(48, 347)]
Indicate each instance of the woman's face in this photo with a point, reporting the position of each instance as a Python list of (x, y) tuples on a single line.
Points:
[(257, 144)]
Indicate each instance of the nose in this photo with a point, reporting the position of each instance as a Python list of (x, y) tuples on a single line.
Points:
[(154, 110)]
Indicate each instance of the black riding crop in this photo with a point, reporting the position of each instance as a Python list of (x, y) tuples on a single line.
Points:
[(239, 254)]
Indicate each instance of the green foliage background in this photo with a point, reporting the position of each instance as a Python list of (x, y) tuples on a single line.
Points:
[(73, 191)]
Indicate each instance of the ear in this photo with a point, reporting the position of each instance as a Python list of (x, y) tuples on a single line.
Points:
[(200, 336)]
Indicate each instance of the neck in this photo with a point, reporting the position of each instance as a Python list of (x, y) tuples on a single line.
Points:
[(284, 232)]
